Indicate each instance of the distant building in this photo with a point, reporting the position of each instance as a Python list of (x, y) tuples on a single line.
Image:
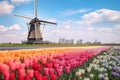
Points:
[(72, 41), (79, 41), (60, 41), (66, 41), (96, 42)]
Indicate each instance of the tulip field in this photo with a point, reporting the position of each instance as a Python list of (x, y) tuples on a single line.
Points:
[(65, 63)]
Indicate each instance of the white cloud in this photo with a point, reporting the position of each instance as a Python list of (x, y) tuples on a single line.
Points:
[(20, 1), (24, 33), (74, 12), (56, 31), (117, 27), (66, 24), (90, 28), (12, 34), (13, 27), (104, 29), (100, 16), (6, 7), (67, 27), (110, 19), (51, 20), (2, 28)]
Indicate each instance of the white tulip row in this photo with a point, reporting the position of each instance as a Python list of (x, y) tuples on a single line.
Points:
[(101, 64)]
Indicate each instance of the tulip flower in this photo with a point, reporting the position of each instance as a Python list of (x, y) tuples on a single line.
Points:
[(30, 73), (37, 67), (59, 72), (6, 76), (22, 66), (17, 64), (38, 76), (36, 72), (35, 60), (53, 77), (21, 77), (5, 69), (78, 73), (45, 77), (12, 66), (30, 62), (67, 69), (12, 76), (56, 65), (101, 76), (86, 79), (26, 62), (27, 78), (48, 65), (46, 71), (44, 60), (51, 71), (91, 76), (88, 69), (106, 78), (21, 72)]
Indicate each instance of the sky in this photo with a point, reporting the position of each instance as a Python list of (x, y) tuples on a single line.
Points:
[(88, 20)]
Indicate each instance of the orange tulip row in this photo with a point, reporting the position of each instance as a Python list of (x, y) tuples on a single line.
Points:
[(17, 55)]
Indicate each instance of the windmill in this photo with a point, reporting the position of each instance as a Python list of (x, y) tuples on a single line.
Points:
[(34, 30)]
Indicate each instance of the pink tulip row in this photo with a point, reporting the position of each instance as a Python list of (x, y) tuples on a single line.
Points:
[(42, 68)]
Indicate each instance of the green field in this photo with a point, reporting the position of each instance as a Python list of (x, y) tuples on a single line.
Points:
[(54, 45)]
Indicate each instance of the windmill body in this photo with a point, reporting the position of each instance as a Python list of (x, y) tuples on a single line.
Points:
[(34, 31)]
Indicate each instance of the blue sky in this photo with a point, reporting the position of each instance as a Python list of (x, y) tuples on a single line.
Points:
[(78, 19)]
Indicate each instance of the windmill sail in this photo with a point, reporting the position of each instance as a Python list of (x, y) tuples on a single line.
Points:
[(35, 8), (48, 22)]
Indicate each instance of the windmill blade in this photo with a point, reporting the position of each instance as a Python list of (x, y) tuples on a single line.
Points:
[(28, 26), (48, 22), (22, 16), (35, 7), (43, 28)]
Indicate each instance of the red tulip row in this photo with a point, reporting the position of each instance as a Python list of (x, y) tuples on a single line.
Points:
[(46, 68)]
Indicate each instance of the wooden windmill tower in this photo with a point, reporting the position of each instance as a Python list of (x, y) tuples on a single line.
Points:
[(34, 31)]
